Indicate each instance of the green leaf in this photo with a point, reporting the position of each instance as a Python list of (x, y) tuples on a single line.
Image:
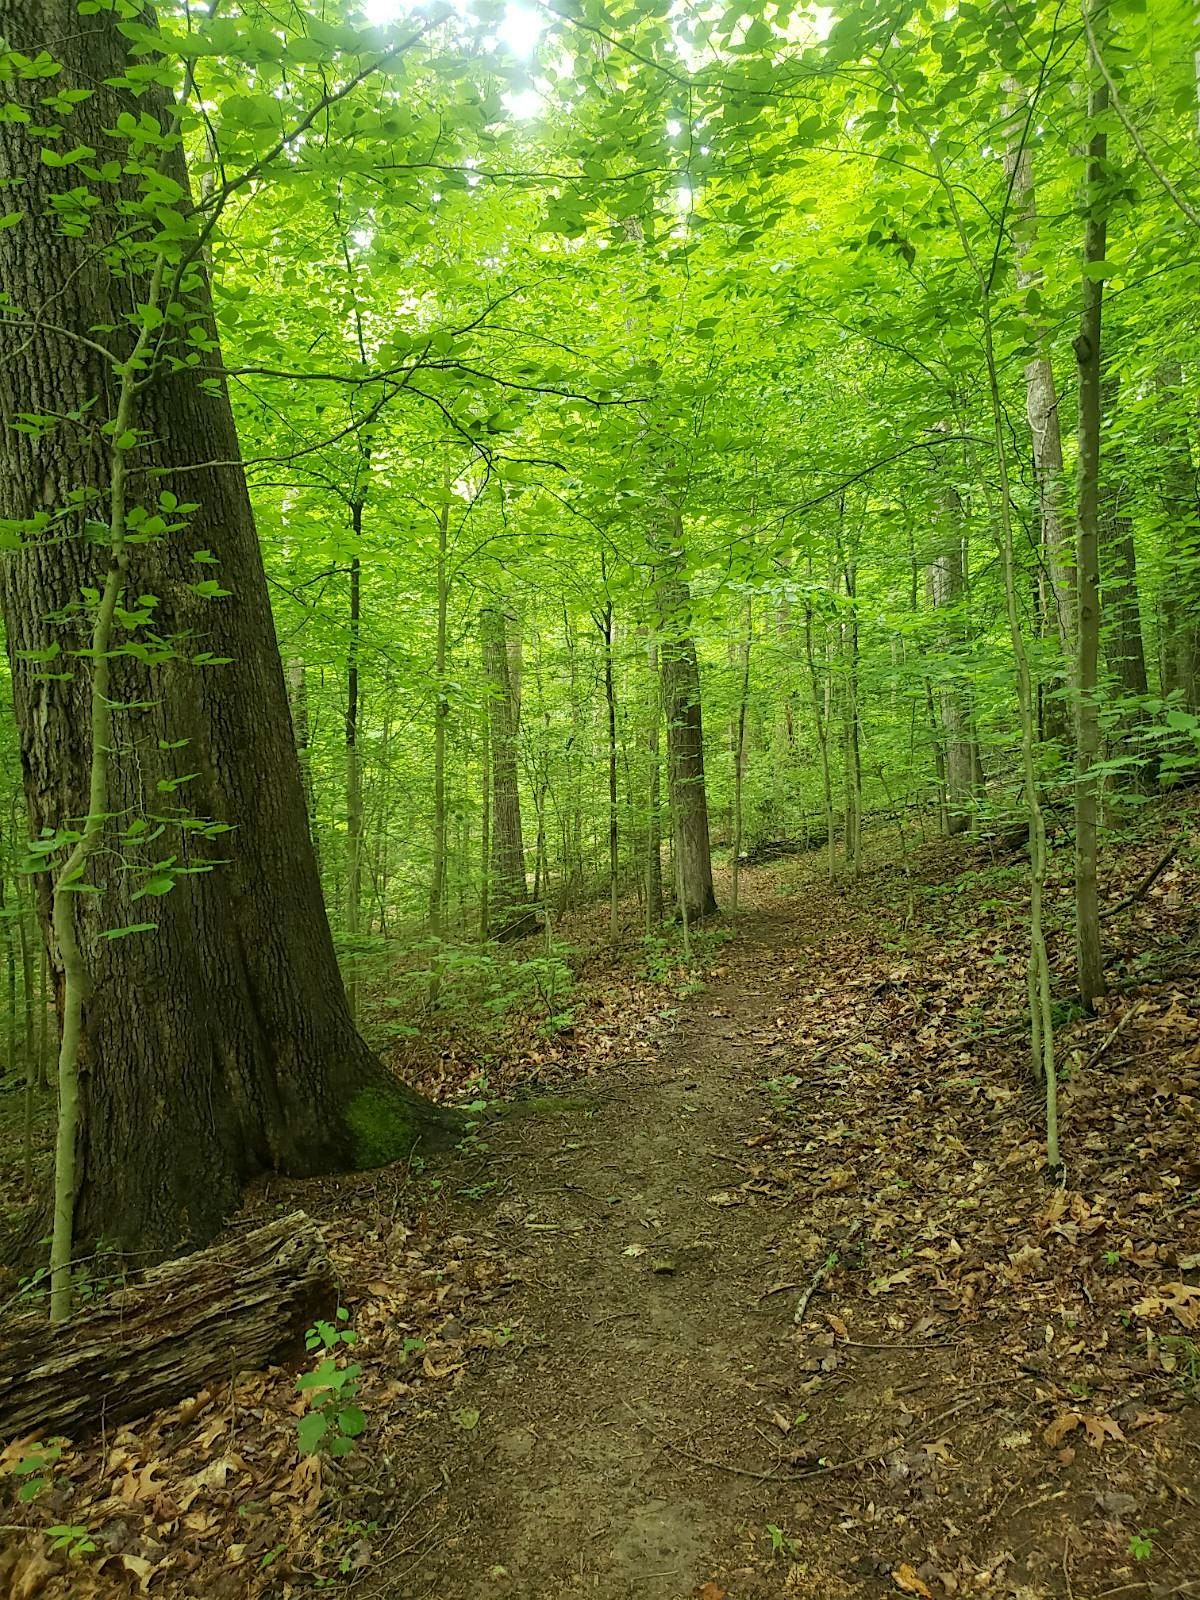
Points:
[(160, 884), (351, 1421), (310, 1430), (131, 927)]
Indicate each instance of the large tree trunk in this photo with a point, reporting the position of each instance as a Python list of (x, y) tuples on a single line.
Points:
[(152, 1344), (685, 737), (509, 888), (218, 1045)]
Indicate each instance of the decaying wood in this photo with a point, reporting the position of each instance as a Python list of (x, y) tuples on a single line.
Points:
[(242, 1304)]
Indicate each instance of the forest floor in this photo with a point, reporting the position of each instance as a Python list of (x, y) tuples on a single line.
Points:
[(776, 1300)]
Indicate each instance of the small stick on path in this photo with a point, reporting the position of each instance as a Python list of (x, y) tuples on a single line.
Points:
[(831, 1260)]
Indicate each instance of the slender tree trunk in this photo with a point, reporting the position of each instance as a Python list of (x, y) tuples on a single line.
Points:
[(44, 1004), (614, 858), (739, 751), (654, 874), (1041, 405), (485, 822), (218, 1045), (851, 729), (821, 726), (509, 887), (946, 588), (298, 701), (354, 798), (1121, 634), (1180, 510), (1088, 352), (685, 737), (441, 711)]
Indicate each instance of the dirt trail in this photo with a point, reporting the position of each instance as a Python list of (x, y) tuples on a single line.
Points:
[(975, 1400), (640, 1325)]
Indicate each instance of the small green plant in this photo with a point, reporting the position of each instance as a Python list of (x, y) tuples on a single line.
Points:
[(332, 1421), (1181, 1356), (34, 1468), (76, 1541), (1141, 1543), (781, 1545)]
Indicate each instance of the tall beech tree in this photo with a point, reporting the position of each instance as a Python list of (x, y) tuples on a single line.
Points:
[(216, 1043)]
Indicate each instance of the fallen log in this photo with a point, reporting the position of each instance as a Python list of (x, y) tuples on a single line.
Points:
[(239, 1305)]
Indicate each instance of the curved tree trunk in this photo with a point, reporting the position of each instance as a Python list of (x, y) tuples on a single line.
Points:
[(218, 1045)]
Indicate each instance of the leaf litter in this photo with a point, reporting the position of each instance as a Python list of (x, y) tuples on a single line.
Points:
[(992, 1385)]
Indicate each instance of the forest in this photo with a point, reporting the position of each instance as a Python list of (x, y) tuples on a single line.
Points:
[(600, 821)]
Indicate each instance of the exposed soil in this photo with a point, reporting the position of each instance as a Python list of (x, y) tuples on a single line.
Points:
[(777, 1300)]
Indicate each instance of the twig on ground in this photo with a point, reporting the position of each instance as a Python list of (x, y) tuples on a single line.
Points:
[(1144, 887), (822, 1272), (1101, 1049)]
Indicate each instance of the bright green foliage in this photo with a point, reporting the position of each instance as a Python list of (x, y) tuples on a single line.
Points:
[(333, 1421), (723, 271)]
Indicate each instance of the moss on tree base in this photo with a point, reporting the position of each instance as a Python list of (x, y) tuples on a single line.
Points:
[(387, 1124)]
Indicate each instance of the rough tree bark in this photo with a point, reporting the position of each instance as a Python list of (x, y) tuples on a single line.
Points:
[(219, 1045), (685, 734)]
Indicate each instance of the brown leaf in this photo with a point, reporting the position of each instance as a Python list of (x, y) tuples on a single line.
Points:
[(709, 1591), (1062, 1425), (1150, 1419), (1100, 1428), (905, 1577), (142, 1569)]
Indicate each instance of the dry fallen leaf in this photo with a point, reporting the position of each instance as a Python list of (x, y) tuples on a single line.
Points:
[(709, 1591), (1062, 1425), (905, 1577), (1100, 1428), (142, 1569)]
